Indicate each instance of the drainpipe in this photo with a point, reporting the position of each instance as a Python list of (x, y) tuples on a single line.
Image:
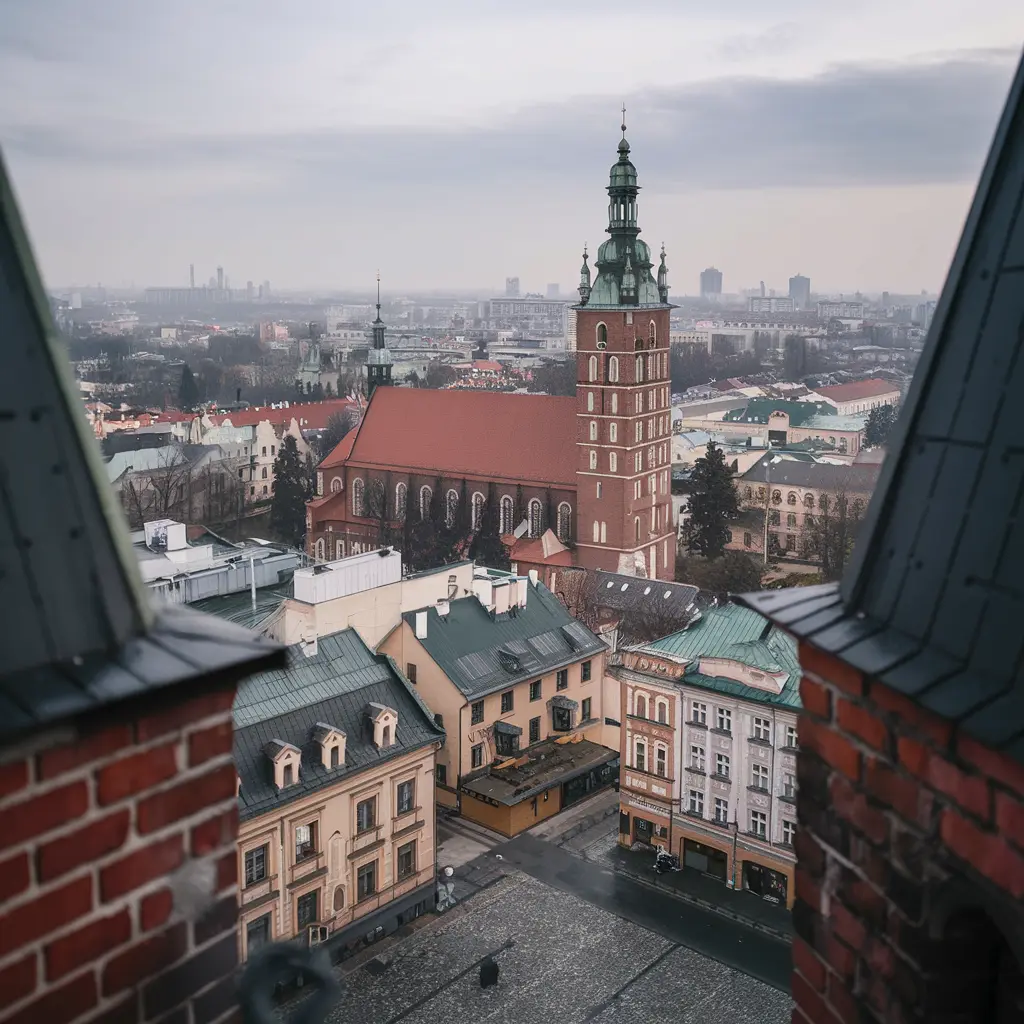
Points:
[(735, 831)]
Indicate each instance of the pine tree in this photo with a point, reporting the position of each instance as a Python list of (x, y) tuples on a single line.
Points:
[(713, 503), (487, 547), (879, 425), (188, 389), (288, 508)]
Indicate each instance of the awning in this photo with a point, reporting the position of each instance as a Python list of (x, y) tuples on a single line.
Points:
[(558, 701), (508, 729)]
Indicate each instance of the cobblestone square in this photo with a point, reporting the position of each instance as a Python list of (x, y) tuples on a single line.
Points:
[(561, 958)]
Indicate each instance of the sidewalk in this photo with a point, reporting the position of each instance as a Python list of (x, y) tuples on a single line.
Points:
[(705, 892)]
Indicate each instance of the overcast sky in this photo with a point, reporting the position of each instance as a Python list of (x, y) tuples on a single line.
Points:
[(455, 143)]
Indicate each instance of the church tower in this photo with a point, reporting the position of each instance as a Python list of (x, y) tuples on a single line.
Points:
[(624, 417), (378, 359)]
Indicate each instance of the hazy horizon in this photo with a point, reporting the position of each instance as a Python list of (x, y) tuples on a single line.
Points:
[(446, 144)]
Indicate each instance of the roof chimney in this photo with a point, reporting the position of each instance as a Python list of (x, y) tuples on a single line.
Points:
[(443, 608)]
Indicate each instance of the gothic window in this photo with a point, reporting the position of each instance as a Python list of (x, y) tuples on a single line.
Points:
[(593, 430), (639, 431), (336, 485), (534, 511), (507, 511), (320, 550), (478, 509), (809, 501), (401, 500), (615, 399), (451, 507), (564, 520), (651, 373), (639, 369), (776, 497), (613, 462), (358, 504), (425, 496), (613, 369), (604, 533), (638, 462), (590, 401), (593, 368), (791, 498), (602, 336), (613, 432), (593, 459), (636, 529), (597, 531), (653, 334)]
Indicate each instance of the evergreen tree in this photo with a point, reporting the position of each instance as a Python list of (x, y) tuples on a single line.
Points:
[(487, 547), (713, 503), (328, 390), (188, 389), (551, 519), (520, 508), (288, 508), (879, 426)]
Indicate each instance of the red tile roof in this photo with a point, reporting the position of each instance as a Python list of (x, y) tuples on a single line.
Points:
[(873, 388), (342, 450), (468, 433), (310, 415)]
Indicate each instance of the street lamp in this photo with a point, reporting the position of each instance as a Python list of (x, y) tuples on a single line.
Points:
[(768, 499)]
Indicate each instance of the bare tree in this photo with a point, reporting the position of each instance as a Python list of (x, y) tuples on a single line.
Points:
[(163, 492), (828, 537)]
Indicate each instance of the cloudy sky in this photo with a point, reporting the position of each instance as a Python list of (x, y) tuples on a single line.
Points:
[(455, 142)]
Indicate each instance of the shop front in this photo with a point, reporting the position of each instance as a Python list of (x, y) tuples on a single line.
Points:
[(708, 860), (642, 820), (765, 882)]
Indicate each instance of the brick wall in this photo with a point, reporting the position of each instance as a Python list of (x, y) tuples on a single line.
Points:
[(118, 871), (899, 817)]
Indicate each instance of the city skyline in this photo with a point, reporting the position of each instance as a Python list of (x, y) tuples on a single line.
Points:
[(758, 153)]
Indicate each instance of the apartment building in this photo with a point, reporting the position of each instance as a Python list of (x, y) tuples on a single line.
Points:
[(335, 757), (709, 749), (861, 396), (519, 687)]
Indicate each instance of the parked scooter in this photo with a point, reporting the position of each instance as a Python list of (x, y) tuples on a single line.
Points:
[(665, 862)]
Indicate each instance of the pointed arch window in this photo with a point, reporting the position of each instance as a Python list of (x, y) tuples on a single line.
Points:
[(639, 369), (451, 507), (593, 430), (593, 459), (615, 403), (653, 334), (320, 549), (426, 494), (613, 369), (613, 462), (478, 509), (613, 432), (358, 497), (507, 512), (401, 500), (535, 517), (590, 401), (592, 368), (336, 485), (564, 520), (602, 335)]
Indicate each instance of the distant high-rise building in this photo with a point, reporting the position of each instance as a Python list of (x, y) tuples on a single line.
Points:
[(220, 278), (512, 287), (266, 289), (762, 290), (711, 284), (800, 291), (249, 291), (191, 275), (553, 291)]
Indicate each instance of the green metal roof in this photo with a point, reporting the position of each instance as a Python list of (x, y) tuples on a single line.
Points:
[(238, 607), (737, 634), (757, 410), (481, 655)]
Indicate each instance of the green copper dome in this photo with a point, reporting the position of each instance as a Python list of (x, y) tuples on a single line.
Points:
[(623, 173)]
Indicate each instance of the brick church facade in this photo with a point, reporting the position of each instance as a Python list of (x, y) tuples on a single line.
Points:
[(594, 470)]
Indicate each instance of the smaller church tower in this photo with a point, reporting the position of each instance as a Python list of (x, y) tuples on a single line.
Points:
[(378, 359)]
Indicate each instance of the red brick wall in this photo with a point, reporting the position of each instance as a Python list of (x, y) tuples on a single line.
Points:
[(92, 830), (894, 809)]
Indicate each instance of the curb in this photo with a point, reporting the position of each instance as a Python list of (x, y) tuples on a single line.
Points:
[(715, 908)]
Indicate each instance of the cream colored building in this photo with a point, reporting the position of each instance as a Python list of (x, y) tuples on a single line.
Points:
[(519, 685), (336, 765)]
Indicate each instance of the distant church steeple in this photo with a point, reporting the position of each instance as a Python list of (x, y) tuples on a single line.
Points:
[(378, 359)]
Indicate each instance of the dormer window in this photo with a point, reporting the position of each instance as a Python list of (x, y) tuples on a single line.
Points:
[(285, 758), (385, 725), (331, 741), (289, 775), (334, 756)]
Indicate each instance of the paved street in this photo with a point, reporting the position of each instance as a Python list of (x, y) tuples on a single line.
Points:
[(562, 958)]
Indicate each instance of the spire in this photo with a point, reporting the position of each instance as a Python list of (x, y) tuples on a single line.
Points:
[(628, 289), (378, 359), (378, 320), (584, 288), (663, 277)]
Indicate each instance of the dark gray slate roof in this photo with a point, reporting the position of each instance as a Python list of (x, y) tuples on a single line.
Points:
[(933, 601), (481, 655), (825, 476), (79, 633), (618, 592), (333, 687)]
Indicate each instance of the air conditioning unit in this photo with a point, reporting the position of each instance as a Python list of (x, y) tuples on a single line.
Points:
[(316, 934)]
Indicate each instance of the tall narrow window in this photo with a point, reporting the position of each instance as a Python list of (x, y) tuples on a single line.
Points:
[(425, 495), (593, 430), (604, 533), (478, 509), (653, 335), (593, 459), (615, 398), (564, 520), (613, 369), (451, 507), (590, 401), (613, 462), (358, 503), (597, 531), (639, 369), (507, 512), (593, 368), (613, 432), (536, 521), (636, 529), (602, 335), (401, 500)]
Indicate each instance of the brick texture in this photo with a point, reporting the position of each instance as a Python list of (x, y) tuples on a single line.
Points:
[(92, 829), (891, 803)]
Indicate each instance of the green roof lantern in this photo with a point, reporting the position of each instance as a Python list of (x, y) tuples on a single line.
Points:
[(624, 266)]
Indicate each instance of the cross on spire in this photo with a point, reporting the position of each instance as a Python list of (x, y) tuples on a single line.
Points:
[(623, 120)]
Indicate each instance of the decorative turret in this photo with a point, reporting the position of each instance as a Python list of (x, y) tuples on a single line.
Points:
[(584, 288), (663, 277), (378, 359), (627, 292)]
